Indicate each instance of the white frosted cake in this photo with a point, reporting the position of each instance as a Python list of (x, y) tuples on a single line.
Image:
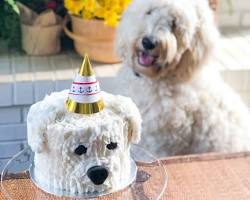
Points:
[(69, 147), (79, 149)]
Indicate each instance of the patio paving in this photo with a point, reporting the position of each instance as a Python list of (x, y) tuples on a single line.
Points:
[(234, 51)]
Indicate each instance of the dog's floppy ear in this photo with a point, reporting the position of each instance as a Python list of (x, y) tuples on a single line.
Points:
[(120, 43), (200, 45), (206, 35), (125, 33), (125, 108)]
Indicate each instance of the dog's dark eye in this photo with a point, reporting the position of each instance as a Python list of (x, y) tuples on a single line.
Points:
[(81, 149), (149, 12), (173, 25), (112, 145)]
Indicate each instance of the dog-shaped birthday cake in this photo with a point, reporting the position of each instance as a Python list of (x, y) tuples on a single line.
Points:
[(82, 153)]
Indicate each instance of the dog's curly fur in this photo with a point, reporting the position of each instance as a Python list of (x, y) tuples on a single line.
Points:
[(186, 107)]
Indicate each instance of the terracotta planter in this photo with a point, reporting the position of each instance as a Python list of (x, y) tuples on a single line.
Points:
[(92, 37)]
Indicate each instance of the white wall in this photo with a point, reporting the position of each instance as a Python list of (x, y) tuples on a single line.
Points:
[(234, 14)]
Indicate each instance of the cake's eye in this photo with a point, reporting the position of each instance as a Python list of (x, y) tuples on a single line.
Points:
[(112, 145), (149, 12), (81, 149)]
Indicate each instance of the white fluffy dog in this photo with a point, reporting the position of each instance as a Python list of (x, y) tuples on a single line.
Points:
[(186, 107)]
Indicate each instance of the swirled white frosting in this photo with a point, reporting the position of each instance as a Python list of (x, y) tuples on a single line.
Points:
[(54, 134)]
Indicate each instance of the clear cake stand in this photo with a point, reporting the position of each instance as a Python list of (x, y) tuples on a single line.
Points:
[(148, 180)]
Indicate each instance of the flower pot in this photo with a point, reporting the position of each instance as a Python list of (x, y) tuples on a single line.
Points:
[(41, 41), (92, 37)]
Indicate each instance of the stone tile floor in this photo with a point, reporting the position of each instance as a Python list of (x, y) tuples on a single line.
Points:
[(20, 67), (234, 51), (233, 59)]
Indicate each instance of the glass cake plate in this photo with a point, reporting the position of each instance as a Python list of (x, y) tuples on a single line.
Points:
[(148, 180)]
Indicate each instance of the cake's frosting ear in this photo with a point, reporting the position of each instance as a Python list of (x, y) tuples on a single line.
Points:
[(36, 136), (126, 109), (134, 129), (40, 116)]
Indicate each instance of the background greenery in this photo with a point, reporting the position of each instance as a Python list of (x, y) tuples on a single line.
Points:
[(10, 30), (10, 35)]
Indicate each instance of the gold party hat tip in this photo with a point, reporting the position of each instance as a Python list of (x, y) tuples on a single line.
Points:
[(86, 68), (85, 93)]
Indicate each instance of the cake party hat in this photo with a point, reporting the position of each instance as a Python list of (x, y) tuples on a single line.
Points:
[(85, 93)]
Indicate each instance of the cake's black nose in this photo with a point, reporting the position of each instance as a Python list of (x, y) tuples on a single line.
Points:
[(148, 43), (97, 174)]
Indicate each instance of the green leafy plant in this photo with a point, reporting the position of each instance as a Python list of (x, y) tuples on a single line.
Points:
[(230, 6), (10, 24), (13, 5), (10, 30)]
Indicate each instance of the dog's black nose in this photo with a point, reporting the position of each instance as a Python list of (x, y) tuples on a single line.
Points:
[(148, 43), (97, 174)]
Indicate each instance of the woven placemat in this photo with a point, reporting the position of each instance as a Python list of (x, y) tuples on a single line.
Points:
[(208, 177), (20, 187), (203, 177)]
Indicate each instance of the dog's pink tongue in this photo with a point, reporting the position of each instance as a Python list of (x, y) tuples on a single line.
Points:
[(145, 59)]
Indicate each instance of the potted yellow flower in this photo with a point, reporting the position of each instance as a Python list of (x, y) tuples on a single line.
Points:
[(93, 26)]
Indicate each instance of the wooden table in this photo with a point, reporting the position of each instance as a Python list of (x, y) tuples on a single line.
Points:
[(198, 177)]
